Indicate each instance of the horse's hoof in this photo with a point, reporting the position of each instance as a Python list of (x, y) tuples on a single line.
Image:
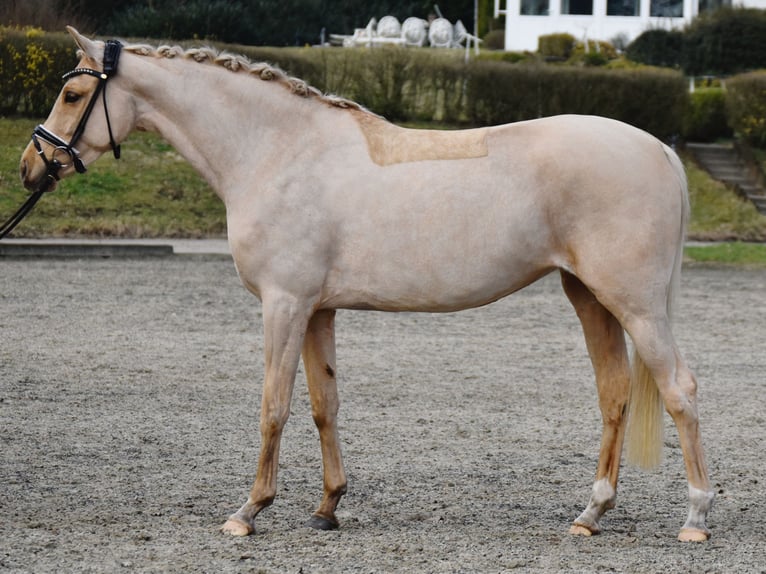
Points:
[(693, 535), (236, 527), (580, 530), (321, 523)]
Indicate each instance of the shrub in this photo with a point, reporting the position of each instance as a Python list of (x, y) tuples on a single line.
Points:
[(31, 65), (727, 41), (653, 100), (746, 107), (598, 53), (705, 118), (508, 57), (657, 48), (556, 46), (382, 79), (437, 91), (494, 40)]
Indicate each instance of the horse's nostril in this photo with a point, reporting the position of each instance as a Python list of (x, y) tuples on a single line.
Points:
[(23, 169)]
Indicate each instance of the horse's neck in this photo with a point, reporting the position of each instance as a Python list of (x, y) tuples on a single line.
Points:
[(229, 126)]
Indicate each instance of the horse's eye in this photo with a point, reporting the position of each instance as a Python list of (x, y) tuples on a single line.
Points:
[(71, 97)]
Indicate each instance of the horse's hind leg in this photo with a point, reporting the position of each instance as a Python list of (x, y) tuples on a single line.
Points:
[(655, 345), (605, 339), (319, 360)]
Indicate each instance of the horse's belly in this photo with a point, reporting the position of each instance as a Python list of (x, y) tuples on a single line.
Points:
[(460, 249), (463, 284)]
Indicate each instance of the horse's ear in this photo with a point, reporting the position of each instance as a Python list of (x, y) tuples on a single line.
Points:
[(88, 46)]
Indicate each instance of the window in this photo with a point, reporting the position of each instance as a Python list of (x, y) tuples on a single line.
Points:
[(710, 5), (667, 8), (623, 7), (577, 7), (534, 7)]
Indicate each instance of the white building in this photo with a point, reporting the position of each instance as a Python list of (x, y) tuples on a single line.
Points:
[(526, 20)]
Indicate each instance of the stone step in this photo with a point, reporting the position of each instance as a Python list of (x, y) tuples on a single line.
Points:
[(724, 164), (712, 149), (732, 174), (723, 155)]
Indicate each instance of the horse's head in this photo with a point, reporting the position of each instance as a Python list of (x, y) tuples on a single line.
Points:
[(85, 121)]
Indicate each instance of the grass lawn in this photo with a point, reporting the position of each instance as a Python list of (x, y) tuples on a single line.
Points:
[(150, 192), (718, 214), (733, 253)]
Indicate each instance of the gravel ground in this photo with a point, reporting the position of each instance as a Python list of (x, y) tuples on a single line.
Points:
[(129, 395)]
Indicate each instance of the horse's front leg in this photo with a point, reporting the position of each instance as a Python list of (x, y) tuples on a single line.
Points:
[(319, 360), (285, 321)]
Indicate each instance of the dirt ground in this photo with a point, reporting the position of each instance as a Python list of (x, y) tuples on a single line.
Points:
[(129, 399)]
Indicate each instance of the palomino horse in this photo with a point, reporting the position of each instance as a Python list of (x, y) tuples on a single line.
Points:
[(329, 206)]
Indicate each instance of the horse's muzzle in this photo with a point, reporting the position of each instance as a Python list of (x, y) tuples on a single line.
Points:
[(34, 174)]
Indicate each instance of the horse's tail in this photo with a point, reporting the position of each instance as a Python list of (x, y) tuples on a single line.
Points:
[(645, 418)]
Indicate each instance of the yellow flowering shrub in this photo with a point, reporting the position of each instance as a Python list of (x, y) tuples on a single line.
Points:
[(31, 64), (746, 106)]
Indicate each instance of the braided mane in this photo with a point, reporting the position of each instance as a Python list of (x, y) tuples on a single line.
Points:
[(239, 63)]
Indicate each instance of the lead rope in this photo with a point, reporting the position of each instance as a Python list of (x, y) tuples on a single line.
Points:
[(22, 212)]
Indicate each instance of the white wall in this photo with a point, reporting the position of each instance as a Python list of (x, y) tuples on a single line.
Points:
[(521, 32)]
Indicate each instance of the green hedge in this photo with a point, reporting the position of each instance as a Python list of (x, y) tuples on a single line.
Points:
[(653, 100), (746, 107), (400, 84), (706, 116)]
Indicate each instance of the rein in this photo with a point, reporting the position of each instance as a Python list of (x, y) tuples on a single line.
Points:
[(112, 49)]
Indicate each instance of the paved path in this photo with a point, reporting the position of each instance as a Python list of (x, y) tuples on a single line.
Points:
[(109, 247), (125, 247)]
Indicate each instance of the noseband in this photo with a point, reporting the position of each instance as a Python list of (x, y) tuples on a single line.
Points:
[(112, 49)]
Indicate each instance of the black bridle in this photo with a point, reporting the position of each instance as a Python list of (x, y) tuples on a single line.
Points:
[(53, 165)]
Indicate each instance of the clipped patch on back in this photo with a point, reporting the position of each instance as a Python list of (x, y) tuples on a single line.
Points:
[(389, 144)]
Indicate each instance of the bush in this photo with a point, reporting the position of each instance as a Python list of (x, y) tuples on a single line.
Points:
[(705, 118), (507, 57), (746, 107), (727, 41), (382, 75), (31, 65), (598, 53), (556, 46), (657, 48), (494, 40), (653, 100)]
